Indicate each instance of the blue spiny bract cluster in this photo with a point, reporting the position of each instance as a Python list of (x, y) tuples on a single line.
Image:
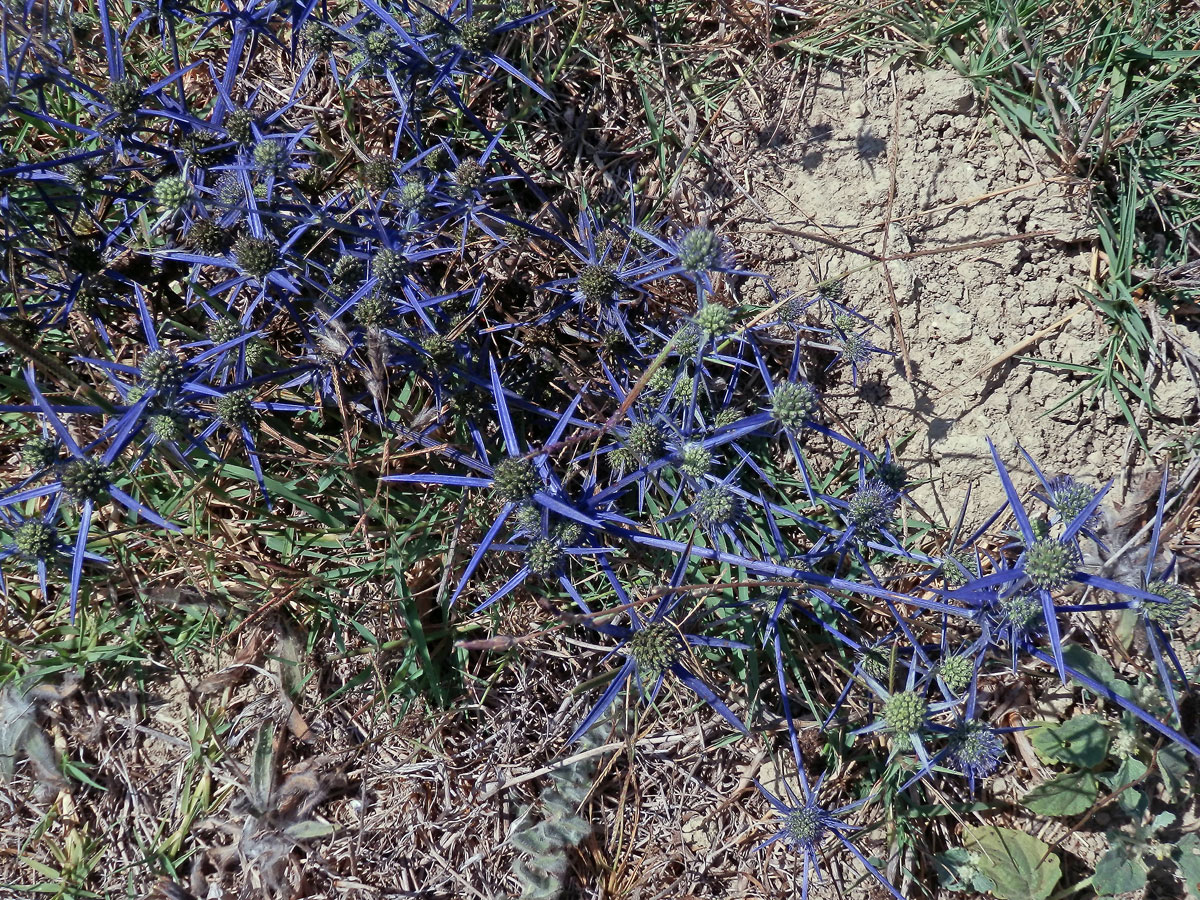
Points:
[(589, 378)]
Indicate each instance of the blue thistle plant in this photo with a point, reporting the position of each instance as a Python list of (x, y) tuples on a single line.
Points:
[(655, 647)]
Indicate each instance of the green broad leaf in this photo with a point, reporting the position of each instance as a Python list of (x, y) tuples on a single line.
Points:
[(958, 870), (1133, 801), (1081, 741), (1175, 769), (1020, 866), (1120, 870), (1069, 794), (1187, 858)]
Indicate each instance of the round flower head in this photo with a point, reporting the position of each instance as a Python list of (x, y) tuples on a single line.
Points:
[(172, 193), (230, 191), (86, 480), (856, 349), (792, 403), (473, 35), (164, 371), (468, 176), (568, 533), (957, 671), (688, 339), (257, 352), (905, 712), (317, 36), (412, 194), (167, 427), (1070, 498), (975, 748), (379, 173), (792, 311), (390, 268), (257, 257), (239, 126), (1050, 563), (700, 250), (527, 519), (439, 348), (958, 567), (236, 409), (271, 156), (714, 319), (124, 95), (222, 330), (375, 310), (718, 505), (833, 290), (35, 539), (207, 237), (873, 507), (378, 46), (198, 147), (544, 557), (844, 322), (875, 662), (515, 480), (654, 648), (597, 283), (1021, 611), (39, 452), (695, 459), (805, 826), (645, 440), (84, 257), (1178, 600), (728, 416), (348, 273)]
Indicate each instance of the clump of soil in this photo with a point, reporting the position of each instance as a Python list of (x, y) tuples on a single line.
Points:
[(907, 163)]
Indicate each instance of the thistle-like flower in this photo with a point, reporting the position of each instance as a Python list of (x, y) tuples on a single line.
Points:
[(699, 250), (793, 403), (257, 256)]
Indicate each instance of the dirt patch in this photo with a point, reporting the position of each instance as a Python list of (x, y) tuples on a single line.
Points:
[(907, 163)]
